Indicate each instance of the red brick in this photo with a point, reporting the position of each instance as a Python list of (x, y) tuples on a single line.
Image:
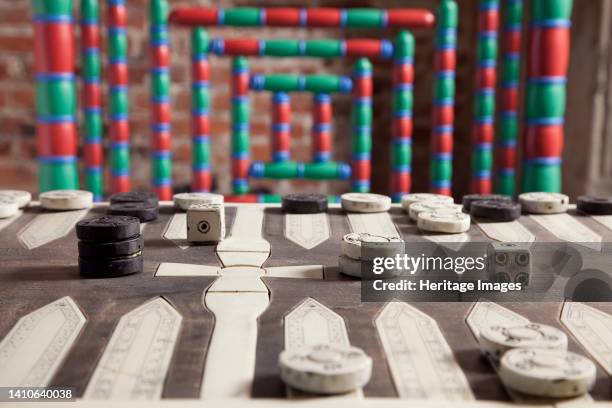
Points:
[(182, 152), (219, 127), (17, 14), (6, 147), (260, 152), (220, 100), (18, 174), (16, 43), (259, 128)]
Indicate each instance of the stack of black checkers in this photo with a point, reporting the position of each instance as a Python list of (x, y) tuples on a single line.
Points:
[(595, 205), (491, 207), (304, 203), (142, 205), (109, 246)]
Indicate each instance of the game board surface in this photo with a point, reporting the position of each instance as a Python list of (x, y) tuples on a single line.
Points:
[(166, 347)]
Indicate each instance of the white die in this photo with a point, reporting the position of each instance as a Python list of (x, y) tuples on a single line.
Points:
[(205, 222), (510, 262)]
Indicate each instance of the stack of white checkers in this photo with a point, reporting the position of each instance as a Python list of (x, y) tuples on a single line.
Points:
[(435, 213), (325, 369), (533, 359), (431, 206), (12, 200), (409, 199), (360, 249)]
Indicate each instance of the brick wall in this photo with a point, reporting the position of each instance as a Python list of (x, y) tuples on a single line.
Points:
[(17, 131)]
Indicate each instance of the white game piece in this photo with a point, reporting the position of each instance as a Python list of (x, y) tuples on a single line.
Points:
[(365, 202), (409, 199), (22, 198), (447, 221), (350, 266), (205, 222), (66, 200), (8, 208), (430, 206), (378, 246), (510, 262), (325, 369), (497, 339), (184, 200), (547, 373), (544, 203)]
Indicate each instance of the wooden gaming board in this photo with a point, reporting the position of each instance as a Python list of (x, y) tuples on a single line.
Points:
[(188, 327)]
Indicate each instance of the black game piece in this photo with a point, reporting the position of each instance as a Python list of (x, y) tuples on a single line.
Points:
[(134, 197), (108, 229), (95, 250), (470, 198), (595, 205), (143, 211), (304, 203), (110, 268), (495, 210)]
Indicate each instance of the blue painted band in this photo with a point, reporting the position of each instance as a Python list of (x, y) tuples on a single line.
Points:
[(57, 159)]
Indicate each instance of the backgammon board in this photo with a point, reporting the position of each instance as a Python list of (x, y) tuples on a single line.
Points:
[(209, 321)]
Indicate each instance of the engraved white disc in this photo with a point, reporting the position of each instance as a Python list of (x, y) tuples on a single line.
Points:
[(22, 198), (497, 339), (325, 368), (66, 200), (448, 221), (544, 203), (409, 199), (184, 200), (431, 206), (376, 246), (547, 373), (8, 208), (365, 202)]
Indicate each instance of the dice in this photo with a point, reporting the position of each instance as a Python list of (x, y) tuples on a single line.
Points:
[(509, 262), (205, 222)]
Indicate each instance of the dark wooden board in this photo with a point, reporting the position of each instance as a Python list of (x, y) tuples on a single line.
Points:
[(32, 278)]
